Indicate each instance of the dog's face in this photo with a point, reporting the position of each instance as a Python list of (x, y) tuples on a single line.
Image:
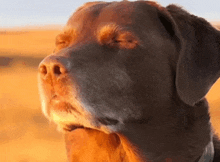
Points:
[(105, 72), (120, 67)]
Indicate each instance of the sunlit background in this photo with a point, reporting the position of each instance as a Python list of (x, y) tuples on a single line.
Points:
[(27, 32)]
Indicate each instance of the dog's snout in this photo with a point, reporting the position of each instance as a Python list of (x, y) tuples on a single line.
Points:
[(55, 66)]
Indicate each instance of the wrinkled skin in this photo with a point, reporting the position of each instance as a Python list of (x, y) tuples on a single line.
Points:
[(120, 84)]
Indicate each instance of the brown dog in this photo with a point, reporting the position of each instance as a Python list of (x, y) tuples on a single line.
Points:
[(127, 83)]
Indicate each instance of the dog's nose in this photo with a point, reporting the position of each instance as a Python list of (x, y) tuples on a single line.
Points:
[(56, 66)]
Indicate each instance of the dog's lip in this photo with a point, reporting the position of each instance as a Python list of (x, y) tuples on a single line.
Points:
[(107, 121), (73, 127), (55, 97), (60, 104)]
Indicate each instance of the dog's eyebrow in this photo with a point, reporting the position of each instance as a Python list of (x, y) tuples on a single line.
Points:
[(108, 32), (108, 29), (112, 34)]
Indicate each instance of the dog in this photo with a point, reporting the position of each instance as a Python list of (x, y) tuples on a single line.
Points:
[(127, 83)]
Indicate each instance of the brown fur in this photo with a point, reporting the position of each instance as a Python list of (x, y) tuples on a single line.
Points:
[(127, 80)]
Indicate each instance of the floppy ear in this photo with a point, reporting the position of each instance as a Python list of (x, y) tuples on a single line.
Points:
[(198, 66)]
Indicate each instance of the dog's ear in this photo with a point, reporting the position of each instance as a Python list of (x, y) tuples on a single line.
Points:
[(198, 65)]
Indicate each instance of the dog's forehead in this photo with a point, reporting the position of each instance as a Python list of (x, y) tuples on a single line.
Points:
[(123, 13), (86, 13)]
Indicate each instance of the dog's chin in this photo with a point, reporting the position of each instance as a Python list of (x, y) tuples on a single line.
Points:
[(69, 117)]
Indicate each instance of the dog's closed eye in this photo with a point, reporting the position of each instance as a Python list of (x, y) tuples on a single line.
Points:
[(113, 36), (64, 39)]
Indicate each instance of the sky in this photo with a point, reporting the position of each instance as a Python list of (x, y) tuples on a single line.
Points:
[(20, 13)]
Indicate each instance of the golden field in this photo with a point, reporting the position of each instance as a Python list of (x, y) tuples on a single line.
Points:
[(25, 134)]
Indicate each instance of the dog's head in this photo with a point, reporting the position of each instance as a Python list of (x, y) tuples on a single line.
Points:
[(121, 67)]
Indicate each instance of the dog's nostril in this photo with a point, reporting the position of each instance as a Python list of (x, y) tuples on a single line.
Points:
[(43, 69), (57, 70)]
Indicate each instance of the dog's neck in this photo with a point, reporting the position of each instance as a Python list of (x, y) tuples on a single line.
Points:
[(176, 140)]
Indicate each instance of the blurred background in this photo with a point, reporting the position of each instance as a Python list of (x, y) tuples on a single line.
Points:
[(27, 33)]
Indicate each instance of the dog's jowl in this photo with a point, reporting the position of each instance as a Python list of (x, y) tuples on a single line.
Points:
[(126, 83)]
